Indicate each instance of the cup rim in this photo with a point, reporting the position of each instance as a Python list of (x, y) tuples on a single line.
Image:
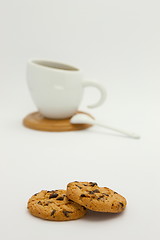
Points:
[(41, 63)]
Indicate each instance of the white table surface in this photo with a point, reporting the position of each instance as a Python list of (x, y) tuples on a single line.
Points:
[(128, 66)]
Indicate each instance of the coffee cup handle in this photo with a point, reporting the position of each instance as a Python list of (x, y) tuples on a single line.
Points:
[(102, 92)]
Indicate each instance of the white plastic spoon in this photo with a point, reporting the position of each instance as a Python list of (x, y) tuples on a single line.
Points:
[(81, 118)]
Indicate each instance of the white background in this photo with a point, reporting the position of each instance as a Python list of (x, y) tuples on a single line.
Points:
[(116, 43)]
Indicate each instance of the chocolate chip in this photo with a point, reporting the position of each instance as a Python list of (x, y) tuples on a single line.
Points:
[(83, 195), (105, 194), (100, 197), (115, 193), (75, 181), (91, 192), (85, 185), (92, 184), (39, 202), (66, 213), (60, 198), (54, 195), (35, 194), (96, 191), (53, 212), (78, 186), (121, 204)]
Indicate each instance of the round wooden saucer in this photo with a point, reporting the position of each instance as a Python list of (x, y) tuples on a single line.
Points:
[(37, 122)]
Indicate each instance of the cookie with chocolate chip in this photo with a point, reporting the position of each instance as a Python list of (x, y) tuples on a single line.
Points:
[(54, 206), (93, 197)]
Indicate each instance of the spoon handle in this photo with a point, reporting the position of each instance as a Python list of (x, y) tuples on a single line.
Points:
[(133, 135)]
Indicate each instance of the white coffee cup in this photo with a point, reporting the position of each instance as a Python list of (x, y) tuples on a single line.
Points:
[(57, 88)]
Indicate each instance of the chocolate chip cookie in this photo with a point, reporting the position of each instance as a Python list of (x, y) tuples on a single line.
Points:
[(55, 206), (93, 197)]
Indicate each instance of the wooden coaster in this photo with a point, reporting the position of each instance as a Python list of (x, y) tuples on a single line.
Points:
[(37, 122)]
